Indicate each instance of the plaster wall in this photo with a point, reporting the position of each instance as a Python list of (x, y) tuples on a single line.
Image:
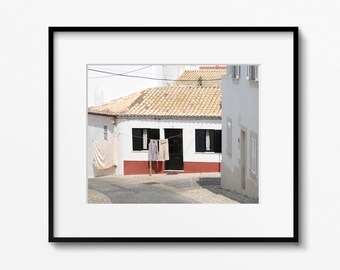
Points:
[(240, 103), (123, 130)]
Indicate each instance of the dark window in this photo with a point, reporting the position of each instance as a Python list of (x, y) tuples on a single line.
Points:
[(234, 72), (208, 140), (137, 139), (200, 140), (218, 141), (141, 138), (105, 132), (252, 73)]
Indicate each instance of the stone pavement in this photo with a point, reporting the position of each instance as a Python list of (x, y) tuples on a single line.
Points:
[(166, 188)]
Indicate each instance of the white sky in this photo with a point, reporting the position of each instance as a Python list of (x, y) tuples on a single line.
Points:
[(104, 87)]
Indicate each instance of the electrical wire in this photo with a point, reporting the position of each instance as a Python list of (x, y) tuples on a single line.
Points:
[(149, 78), (112, 75), (171, 137)]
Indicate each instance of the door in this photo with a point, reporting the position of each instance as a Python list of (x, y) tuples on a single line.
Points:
[(243, 159), (175, 161)]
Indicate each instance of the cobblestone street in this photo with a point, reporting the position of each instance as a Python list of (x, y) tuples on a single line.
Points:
[(169, 188)]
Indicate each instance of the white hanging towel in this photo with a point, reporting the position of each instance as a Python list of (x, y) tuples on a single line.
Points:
[(103, 154), (163, 150)]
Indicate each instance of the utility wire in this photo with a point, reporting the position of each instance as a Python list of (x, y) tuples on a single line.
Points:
[(149, 78), (112, 75), (171, 137)]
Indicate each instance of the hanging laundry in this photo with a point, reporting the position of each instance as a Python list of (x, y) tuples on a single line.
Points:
[(163, 149), (104, 154), (153, 150)]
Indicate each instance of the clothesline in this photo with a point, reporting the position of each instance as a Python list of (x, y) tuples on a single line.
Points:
[(150, 138)]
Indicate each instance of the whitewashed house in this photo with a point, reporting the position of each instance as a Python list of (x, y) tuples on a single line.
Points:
[(188, 113), (240, 129)]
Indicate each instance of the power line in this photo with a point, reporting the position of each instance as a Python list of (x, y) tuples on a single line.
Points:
[(171, 137), (120, 73), (149, 78)]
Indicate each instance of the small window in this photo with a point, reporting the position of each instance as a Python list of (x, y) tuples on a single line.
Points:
[(229, 136), (208, 140), (234, 72), (141, 138), (252, 73), (105, 132), (253, 156)]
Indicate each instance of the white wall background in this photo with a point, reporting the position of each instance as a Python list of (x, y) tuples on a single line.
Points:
[(24, 136)]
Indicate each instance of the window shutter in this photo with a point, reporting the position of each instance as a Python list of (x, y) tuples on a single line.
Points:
[(137, 139), (200, 140), (153, 134), (218, 141)]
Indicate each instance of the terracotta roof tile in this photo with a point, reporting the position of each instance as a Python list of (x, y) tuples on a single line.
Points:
[(170, 102), (209, 77)]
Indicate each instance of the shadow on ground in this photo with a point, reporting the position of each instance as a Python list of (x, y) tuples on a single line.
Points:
[(213, 184)]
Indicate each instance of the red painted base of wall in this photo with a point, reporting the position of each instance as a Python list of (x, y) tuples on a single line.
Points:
[(142, 167), (197, 167)]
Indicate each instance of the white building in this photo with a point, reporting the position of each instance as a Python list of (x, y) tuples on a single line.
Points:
[(240, 126), (188, 115)]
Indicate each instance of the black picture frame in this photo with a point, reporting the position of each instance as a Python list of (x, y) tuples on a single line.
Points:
[(51, 206)]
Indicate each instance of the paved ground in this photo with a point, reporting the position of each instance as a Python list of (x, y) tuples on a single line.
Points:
[(181, 188)]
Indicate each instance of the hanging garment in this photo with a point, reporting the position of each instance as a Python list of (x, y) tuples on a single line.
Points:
[(163, 150), (153, 150), (103, 154)]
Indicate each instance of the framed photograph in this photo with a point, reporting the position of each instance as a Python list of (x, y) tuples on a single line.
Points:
[(173, 134)]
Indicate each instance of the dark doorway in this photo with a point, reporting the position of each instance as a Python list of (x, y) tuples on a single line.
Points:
[(175, 149)]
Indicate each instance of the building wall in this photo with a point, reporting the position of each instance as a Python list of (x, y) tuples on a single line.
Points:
[(95, 132), (240, 103), (136, 162)]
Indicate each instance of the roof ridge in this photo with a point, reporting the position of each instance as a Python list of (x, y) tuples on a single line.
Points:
[(167, 101)]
